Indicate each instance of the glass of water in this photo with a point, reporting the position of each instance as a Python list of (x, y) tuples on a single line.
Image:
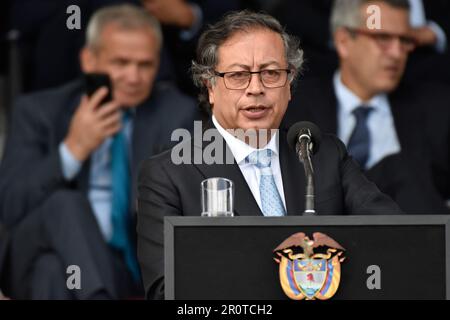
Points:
[(217, 197)]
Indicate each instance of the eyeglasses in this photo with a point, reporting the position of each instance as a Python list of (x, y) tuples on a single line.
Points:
[(270, 78), (384, 39)]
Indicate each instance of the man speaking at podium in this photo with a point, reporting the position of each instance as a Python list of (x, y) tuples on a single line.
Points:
[(245, 67)]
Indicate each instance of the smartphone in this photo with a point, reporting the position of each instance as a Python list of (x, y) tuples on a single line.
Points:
[(95, 81)]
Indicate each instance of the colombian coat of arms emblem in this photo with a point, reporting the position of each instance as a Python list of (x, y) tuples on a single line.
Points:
[(305, 274)]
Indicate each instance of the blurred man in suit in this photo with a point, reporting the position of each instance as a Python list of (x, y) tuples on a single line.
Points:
[(309, 20), (400, 136), (68, 177), (245, 66)]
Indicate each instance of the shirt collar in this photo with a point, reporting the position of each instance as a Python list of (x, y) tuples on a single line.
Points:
[(239, 148), (348, 101)]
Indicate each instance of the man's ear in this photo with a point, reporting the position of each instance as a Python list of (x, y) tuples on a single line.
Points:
[(210, 92), (87, 60), (342, 40), (290, 89)]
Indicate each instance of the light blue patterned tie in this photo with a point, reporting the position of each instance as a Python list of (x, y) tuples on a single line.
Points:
[(271, 202)]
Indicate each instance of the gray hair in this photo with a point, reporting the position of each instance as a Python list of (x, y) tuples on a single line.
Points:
[(125, 16), (347, 13), (238, 21)]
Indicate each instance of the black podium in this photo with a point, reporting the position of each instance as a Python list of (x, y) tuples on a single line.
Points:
[(232, 258)]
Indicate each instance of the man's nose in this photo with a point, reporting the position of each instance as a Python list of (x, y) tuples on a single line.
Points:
[(396, 49), (255, 86), (132, 73)]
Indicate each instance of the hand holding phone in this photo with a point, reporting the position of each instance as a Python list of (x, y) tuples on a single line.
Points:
[(91, 124), (95, 81)]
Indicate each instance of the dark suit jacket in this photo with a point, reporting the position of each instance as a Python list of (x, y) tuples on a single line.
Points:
[(166, 189), (31, 168), (422, 122)]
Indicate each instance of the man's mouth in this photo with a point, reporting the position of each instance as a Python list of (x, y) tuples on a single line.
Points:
[(392, 68), (130, 92), (255, 112), (255, 109)]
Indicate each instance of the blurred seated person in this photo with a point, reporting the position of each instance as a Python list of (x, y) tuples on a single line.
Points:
[(182, 22), (425, 31), (67, 181), (398, 134), (45, 38), (430, 21)]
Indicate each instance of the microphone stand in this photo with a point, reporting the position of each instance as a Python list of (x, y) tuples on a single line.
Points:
[(303, 151)]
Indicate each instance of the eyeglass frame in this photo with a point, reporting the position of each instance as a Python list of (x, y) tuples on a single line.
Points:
[(391, 36), (223, 74)]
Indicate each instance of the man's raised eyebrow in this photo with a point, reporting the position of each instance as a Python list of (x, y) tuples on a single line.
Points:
[(270, 63), (234, 65), (262, 66)]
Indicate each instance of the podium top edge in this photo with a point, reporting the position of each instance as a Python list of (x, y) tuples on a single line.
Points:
[(306, 221)]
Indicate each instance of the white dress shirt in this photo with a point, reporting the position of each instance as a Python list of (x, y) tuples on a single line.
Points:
[(383, 136), (251, 173)]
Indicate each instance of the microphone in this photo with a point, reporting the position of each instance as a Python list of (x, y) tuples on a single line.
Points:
[(304, 137)]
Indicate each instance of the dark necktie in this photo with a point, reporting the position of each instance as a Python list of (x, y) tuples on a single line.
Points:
[(359, 143), (121, 186)]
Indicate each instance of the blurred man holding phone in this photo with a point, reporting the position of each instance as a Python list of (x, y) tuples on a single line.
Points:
[(68, 175)]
